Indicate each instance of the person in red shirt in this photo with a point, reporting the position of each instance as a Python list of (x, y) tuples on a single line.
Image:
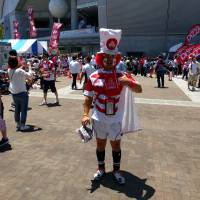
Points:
[(104, 89), (47, 69)]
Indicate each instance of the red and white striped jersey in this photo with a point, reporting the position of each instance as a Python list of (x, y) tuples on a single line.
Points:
[(48, 70), (103, 85)]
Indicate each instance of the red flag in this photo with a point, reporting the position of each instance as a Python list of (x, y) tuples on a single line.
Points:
[(195, 30), (54, 40), (16, 29), (187, 49), (32, 28)]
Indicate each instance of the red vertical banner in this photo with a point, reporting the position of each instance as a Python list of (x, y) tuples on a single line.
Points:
[(16, 29), (32, 28), (54, 40)]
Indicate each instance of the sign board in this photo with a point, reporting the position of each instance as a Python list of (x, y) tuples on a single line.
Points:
[(4, 52)]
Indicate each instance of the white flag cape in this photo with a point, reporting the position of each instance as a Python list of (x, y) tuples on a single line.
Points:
[(130, 121)]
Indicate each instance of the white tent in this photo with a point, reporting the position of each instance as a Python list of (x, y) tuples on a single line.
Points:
[(175, 47), (27, 45)]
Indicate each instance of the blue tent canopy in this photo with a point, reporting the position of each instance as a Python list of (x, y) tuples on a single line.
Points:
[(27, 45)]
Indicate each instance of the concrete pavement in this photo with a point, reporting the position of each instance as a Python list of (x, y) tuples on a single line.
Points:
[(161, 162)]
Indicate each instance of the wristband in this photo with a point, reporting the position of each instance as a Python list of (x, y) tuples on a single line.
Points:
[(85, 115)]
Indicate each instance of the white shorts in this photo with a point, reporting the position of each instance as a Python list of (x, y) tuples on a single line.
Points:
[(103, 130)]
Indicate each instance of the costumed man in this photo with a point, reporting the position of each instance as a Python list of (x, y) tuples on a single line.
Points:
[(105, 88)]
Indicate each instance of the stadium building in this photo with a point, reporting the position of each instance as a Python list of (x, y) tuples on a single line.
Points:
[(149, 27)]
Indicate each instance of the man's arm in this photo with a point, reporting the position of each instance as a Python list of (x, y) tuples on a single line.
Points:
[(82, 74), (131, 83), (86, 109)]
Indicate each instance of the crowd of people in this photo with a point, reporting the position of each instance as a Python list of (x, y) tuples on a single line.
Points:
[(105, 77), (24, 73)]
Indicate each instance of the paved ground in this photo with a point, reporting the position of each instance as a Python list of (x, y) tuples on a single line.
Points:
[(162, 162)]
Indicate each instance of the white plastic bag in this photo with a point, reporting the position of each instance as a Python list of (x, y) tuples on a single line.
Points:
[(85, 133)]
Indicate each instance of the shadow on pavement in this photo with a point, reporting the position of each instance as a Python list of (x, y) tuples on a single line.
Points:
[(134, 187), (161, 87), (53, 104), (13, 109), (31, 128), (6, 147)]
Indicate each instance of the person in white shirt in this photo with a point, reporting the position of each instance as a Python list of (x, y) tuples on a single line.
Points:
[(193, 72), (87, 70), (74, 67), (93, 61), (18, 90), (121, 66)]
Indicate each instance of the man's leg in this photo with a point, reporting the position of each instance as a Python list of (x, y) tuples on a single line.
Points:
[(17, 110), (116, 154), (100, 153), (54, 90), (199, 82), (41, 82), (194, 85), (56, 94), (75, 77), (73, 81), (158, 79), (163, 80), (24, 108), (4, 139), (4, 134), (101, 139), (45, 90), (45, 97)]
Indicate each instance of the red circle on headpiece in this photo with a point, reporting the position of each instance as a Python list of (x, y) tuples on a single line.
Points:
[(111, 43)]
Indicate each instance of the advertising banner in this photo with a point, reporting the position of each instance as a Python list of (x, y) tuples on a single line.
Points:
[(187, 49), (54, 40), (32, 28), (195, 30), (16, 29)]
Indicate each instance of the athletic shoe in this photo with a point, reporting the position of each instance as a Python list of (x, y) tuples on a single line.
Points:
[(99, 174), (119, 178), (4, 141), (24, 127), (57, 103), (43, 103)]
